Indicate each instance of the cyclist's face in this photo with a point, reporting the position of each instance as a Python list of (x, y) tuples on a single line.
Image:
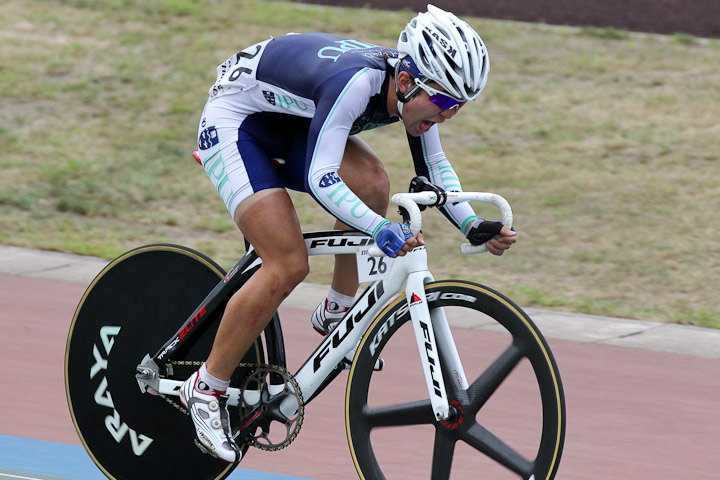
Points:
[(420, 114)]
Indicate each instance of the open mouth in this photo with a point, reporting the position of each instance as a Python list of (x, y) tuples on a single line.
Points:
[(425, 126)]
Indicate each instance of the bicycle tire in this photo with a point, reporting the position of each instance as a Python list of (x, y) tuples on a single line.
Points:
[(131, 308), (382, 425)]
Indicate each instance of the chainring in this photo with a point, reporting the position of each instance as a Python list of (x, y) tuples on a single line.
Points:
[(270, 394)]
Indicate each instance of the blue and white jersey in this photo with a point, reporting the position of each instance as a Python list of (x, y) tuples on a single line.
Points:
[(339, 87)]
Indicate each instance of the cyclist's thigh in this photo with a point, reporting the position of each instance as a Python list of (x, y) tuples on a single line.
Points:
[(235, 161), (268, 220)]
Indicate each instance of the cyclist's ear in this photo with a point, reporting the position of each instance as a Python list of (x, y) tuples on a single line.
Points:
[(404, 81)]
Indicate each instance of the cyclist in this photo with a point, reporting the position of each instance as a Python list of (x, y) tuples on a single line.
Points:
[(283, 113)]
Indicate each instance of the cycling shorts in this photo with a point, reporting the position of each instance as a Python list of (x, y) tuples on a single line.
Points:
[(244, 153)]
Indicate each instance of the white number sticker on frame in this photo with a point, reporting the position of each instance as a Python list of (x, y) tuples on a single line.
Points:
[(371, 268)]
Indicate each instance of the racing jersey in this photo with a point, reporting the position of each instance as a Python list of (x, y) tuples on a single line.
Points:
[(340, 85)]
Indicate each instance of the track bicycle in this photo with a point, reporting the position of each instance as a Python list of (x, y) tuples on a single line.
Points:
[(486, 401)]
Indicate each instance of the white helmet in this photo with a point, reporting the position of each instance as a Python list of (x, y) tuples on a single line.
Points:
[(448, 51)]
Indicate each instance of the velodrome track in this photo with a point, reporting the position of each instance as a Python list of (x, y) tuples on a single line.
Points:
[(643, 399)]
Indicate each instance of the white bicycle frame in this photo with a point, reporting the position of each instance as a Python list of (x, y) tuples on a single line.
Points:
[(411, 270)]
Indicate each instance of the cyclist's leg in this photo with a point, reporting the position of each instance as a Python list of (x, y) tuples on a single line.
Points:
[(268, 221), (363, 172), (238, 164)]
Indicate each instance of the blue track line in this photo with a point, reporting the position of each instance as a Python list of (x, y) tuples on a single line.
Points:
[(28, 459)]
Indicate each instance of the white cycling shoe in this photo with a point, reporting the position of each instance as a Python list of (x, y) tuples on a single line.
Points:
[(210, 416), (325, 320)]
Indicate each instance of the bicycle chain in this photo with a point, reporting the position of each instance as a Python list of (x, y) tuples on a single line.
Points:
[(172, 363), (256, 367)]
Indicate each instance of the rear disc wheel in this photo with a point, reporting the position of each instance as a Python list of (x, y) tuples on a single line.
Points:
[(133, 306)]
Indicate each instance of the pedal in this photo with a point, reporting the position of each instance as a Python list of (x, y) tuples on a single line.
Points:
[(203, 448)]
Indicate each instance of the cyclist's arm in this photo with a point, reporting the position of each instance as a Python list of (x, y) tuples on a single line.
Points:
[(340, 101), (430, 161)]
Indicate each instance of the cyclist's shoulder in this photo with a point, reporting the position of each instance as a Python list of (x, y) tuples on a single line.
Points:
[(332, 52), (331, 64)]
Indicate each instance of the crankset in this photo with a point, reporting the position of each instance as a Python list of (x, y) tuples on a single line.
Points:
[(270, 397)]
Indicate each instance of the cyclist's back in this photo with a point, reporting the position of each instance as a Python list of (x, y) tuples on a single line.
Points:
[(330, 86), (310, 66)]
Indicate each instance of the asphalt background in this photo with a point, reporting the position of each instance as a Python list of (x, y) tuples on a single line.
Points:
[(643, 399)]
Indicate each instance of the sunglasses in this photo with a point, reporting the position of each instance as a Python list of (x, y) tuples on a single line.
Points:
[(440, 99)]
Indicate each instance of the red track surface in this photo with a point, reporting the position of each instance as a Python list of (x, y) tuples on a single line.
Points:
[(632, 414)]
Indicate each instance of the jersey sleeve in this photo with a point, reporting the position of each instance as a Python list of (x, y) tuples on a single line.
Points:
[(430, 161), (340, 101)]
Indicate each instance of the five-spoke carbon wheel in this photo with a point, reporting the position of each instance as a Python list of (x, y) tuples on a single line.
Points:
[(509, 423)]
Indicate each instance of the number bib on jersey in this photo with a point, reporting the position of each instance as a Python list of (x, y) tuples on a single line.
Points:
[(238, 72)]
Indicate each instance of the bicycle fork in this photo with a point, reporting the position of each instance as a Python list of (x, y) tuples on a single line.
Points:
[(432, 331)]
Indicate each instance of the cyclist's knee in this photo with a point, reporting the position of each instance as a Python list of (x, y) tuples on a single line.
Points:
[(381, 191), (296, 270), (365, 174), (374, 188), (287, 271)]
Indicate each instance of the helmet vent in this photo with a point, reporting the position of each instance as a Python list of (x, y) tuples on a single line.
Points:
[(447, 51)]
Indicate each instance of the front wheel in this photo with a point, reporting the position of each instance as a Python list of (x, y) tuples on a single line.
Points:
[(509, 423)]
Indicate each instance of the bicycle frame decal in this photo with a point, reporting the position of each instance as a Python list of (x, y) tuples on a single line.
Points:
[(230, 274), (385, 328), (333, 242), (431, 358), (341, 332), (414, 299), (427, 345), (184, 330), (210, 305), (195, 319)]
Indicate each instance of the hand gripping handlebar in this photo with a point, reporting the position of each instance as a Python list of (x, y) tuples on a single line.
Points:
[(410, 202)]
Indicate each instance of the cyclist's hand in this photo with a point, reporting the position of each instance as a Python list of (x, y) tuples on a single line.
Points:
[(496, 237), (395, 239)]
